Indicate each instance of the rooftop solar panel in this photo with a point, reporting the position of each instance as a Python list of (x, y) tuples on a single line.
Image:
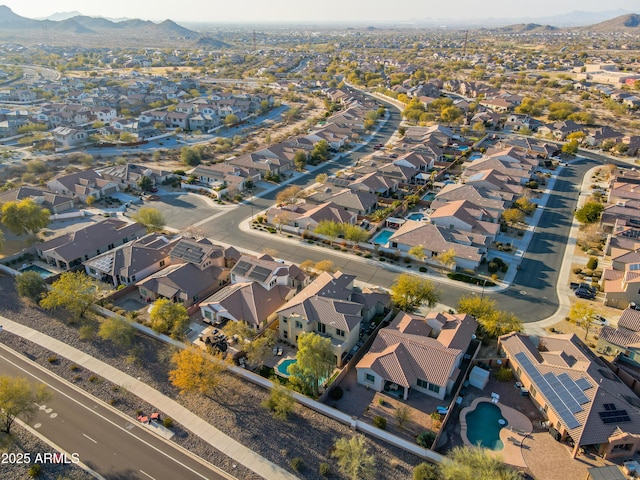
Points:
[(241, 267), (260, 274), (549, 393), (583, 383), (573, 388), (563, 393)]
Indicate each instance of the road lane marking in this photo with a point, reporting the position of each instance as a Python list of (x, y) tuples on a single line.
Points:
[(86, 396), (145, 473), (87, 436)]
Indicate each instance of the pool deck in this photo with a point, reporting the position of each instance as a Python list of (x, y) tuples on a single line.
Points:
[(519, 427)]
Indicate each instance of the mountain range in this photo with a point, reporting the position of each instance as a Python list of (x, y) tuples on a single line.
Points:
[(12, 25)]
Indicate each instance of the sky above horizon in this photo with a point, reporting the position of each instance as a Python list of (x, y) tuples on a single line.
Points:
[(314, 11)]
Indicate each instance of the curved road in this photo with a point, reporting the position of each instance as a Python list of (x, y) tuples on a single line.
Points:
[(105, 441), (532, 296)]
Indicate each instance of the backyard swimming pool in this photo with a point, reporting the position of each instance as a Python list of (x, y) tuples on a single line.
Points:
[(475, 156), (484, 424), (429, 196), (283, 367), (463, 148), (416, 216), (35, 268), (382, 238)]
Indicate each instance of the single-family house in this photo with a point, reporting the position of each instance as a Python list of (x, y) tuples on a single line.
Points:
[(418, 353), (585, 403), (330, 306), (71, 249), (54, 202)]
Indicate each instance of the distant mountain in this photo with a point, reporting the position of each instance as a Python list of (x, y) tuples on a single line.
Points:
[(59, 16), (580, 18), (212, 42), (624, 23), (527, 28), (13, 25)]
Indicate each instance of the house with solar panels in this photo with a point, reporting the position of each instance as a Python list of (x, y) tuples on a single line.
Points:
[(586, 404)]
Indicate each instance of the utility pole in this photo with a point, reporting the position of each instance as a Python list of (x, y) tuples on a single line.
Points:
[(464, 48), (254, 41)]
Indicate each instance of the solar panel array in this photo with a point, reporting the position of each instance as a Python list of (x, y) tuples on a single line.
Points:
[(241, 268), (615, 416), (583, 383), (260, 274), (187, 252), (103, 263), (549, 392), (573, 388)]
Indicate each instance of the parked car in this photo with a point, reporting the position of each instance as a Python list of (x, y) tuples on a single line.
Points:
[(599, 320), (587, 287), (584, 293)]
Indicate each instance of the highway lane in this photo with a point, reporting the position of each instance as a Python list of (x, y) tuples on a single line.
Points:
[(104, 440)]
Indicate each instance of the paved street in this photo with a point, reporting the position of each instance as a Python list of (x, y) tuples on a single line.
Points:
[(105, 441)]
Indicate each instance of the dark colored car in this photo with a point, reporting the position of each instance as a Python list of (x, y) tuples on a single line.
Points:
[(584, 293)]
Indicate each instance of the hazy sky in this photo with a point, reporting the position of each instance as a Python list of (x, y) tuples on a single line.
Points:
[(313, 10)]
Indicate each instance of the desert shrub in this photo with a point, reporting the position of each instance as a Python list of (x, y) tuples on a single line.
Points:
[(504, 374), (425, 439), (167, 422), (297, 464), (577, 270), (380, 422), (325, 469), (592, 264), (336, 393)]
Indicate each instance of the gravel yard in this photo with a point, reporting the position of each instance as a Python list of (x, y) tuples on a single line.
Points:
[(235, 409)]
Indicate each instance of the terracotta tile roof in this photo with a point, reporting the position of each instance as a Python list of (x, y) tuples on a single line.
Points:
[(404, 352), (619, 336)]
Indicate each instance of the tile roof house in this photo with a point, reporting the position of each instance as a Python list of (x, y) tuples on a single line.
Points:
[(627, 211), (307, 217), (358, 202), (332, 307), (82, 184), (133, 261), (584, 401), (54, 202), (268, 272), (469, 247), (492, 201), (71, 249), (623, 340), (129, 174), (621, 282), (248, 302), (418, 353), (465, 216)]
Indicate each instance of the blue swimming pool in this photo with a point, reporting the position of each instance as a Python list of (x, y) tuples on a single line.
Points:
[(429, 196), (462, 148), (382, 238), (475, 156), (484, 425), (283, 367), (35, 268), (416, 216)]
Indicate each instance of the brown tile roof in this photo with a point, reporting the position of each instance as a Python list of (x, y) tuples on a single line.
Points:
[(567, 354), (404, 351), (630, 319)]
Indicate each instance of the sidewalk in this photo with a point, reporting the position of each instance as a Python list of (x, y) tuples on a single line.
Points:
[(180, 414)]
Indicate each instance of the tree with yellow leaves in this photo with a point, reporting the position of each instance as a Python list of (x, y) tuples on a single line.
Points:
[(196, 372)]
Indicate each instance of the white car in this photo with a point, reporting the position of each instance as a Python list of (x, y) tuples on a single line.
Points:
[(600, 320)]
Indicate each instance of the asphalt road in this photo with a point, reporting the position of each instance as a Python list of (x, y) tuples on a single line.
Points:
[(104, 441)]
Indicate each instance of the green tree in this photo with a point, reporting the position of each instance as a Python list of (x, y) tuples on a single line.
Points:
[(145, 183), (231, 119), (513, 216), (300, 160), (168, 317), (321, 178), (315, 360), (151, 218), (477, 306), (23, 216), (409, 292), (73, 291), (190, 156), (426, 471), (583, 314), (354, 233), (325, 266), (240, 329), (447, 258), (118, 331), (450, 114), (260, 348), (403, 415), (589, 212), (329, 229), (19, 397), (500, 323), (289, 195), (31, 285), (320, 152), (418, 252), (196, 372), (571, 147), (354, 459), (280, 401), (525, 205), (473, 463)]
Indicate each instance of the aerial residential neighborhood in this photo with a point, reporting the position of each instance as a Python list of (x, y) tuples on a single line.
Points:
[(352, 247)]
